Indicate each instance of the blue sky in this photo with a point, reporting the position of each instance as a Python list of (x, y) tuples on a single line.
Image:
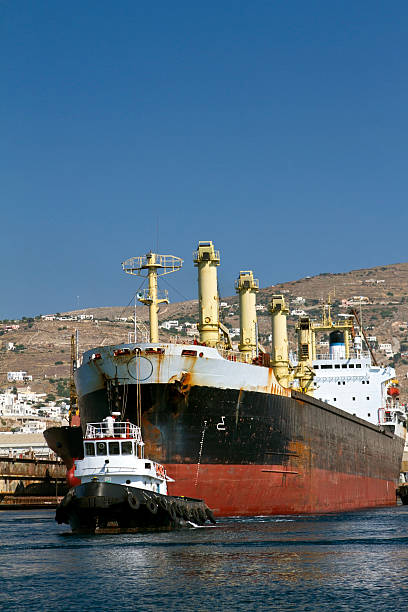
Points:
[(276, 129)]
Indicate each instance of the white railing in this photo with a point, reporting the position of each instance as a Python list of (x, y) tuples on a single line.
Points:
[(236, 356), (352, 355), (113, 429)]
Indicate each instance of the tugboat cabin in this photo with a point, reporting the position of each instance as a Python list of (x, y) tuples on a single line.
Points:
[(114, 452)]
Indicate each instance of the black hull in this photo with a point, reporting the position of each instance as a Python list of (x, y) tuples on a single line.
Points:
[(105, 507), (66, 442), (252, 428)]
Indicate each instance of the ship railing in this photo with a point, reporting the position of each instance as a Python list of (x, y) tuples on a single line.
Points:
[(352, 355), (116, 469), (391, 414), (113, 429), (145, 295), (182, 340), (236, 356)]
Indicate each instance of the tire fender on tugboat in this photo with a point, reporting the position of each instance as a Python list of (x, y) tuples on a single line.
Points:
[(152, 506), (133, 502)]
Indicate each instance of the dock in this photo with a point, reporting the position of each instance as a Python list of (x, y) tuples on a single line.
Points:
[(29, 480)]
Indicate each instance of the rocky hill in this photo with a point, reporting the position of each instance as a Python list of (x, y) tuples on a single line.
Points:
[(42, 347)]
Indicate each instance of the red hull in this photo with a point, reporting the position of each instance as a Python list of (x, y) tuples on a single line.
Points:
[(249, 490)]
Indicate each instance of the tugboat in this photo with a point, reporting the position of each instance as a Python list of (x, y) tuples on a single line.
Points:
[(121, 490)]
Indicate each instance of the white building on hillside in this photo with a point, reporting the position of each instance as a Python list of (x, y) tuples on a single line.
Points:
[(18, 376), (169, 325)]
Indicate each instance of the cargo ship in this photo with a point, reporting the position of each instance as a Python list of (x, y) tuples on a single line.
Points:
[(242, 428)]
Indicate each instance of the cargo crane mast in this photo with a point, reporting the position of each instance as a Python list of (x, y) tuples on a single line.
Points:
[(247, 287), (151, 266), (207, 259)]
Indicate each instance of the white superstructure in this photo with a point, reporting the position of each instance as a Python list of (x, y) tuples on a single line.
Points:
[(114, 453), (355, 385)]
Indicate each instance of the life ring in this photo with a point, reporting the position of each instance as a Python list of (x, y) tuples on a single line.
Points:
[(152, 506), (160, 471), (133, 502)]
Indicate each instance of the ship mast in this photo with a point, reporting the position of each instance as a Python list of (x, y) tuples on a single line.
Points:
[(212, 332), (151, 266), (280, 347), (206, 259), (328, 325), (73, 397), (247, 287)]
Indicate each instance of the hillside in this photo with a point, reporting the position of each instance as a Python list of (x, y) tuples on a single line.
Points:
[(42, 348)]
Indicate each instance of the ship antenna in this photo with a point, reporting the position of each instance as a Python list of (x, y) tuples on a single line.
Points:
[(151, 266)]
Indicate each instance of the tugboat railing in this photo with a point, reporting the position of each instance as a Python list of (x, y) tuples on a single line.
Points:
[(113, 429)]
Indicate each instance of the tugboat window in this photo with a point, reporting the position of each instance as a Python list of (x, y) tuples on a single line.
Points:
[(127, 448), (101, 448), (114, 448), (89, 449)]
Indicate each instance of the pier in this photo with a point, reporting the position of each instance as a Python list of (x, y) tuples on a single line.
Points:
[(29, 476)]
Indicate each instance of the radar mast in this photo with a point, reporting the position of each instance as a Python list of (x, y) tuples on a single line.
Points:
[(151, 266)]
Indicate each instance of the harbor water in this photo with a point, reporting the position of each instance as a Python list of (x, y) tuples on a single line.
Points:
[(349, 561)]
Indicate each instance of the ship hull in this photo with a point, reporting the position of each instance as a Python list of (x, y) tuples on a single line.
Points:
[(251, 453), (266, 490), (104, 507)]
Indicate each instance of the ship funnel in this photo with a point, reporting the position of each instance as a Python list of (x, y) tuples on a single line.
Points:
[(247, 287), (206, 258), (337, 345), (280, 353)]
